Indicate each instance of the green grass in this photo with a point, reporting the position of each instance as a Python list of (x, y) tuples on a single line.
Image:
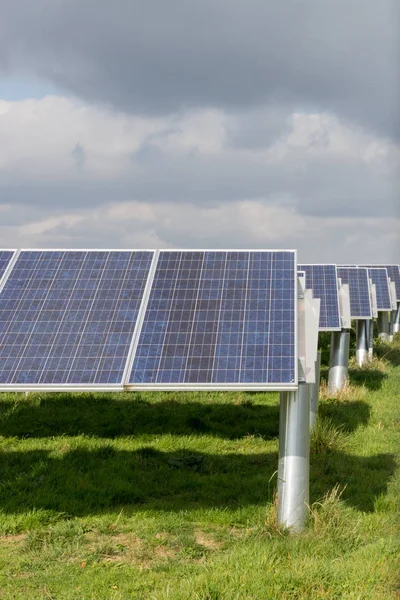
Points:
[(172, 495)]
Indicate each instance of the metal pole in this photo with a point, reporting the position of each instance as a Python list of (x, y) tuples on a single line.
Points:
[(294, 458), (383, 326), (314, 392), (396, 321), (361, 342), (339, 360), (391, 318), (371, 339)]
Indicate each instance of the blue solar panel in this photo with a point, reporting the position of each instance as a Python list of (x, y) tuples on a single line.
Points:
[(5, 257), (322, 279), (219, 318), (360, 300), (68, 317), (394, 274), (379, 277)]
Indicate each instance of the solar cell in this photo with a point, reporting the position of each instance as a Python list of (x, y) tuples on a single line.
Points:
[(219, 319), (322, 279), (5, 258), (379, 277), (360, 300), (68, 317)]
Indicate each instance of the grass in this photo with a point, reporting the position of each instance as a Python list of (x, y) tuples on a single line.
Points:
[(173, 495)]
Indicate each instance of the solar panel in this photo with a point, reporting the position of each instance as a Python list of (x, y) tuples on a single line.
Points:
[(68, 317), (322, 279), (394, 274), (5, 258), (220, 319), (379, 277), (360, 300)]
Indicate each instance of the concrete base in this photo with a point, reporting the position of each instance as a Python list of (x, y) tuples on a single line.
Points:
[(294, 458), (339, 361)]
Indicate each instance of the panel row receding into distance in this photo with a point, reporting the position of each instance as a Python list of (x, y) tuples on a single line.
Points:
[(322, 279), (220, 319), (68, 317), (5, 258), (379, 277), (360, 299)]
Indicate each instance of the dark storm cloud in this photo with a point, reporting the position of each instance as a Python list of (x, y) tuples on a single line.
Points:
[(159, 56)]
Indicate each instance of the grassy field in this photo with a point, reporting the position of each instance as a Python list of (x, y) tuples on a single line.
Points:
[(172, 495)]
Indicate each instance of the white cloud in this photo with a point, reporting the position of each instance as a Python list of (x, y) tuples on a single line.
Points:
[(246, 224), (78, 175)]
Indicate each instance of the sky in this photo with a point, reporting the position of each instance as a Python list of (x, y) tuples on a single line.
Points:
[(212, 124)]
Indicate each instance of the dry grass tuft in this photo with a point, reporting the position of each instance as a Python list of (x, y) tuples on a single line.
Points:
[(326, 437), (327, 512), (375, 364), (349, 392)]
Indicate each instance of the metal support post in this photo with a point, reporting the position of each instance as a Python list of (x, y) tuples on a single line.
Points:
[(294, 458), (339, 360), (383, 326), (371, 339), (361, 342), (314, 392), (396, 320)]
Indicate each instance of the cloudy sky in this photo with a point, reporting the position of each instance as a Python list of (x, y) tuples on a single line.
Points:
[(218, 123)]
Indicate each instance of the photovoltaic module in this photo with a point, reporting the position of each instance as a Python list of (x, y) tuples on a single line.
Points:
[(5, 258), (220, 319), (360, 300), (379, 277), (67, 317), (322, 279)]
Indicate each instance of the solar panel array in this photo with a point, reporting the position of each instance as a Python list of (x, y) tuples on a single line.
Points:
[(68, 317), (322, 279), (222, 319), (5, 258), (360, 300), (379, 277), (219, 318)]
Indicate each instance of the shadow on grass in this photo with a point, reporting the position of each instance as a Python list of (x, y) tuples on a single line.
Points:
[(363, 478), (346, 414), (82, 482), (103, 416), (371, 378), (390, 352)]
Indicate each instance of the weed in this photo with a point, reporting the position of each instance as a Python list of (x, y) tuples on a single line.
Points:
[(349, 392)]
